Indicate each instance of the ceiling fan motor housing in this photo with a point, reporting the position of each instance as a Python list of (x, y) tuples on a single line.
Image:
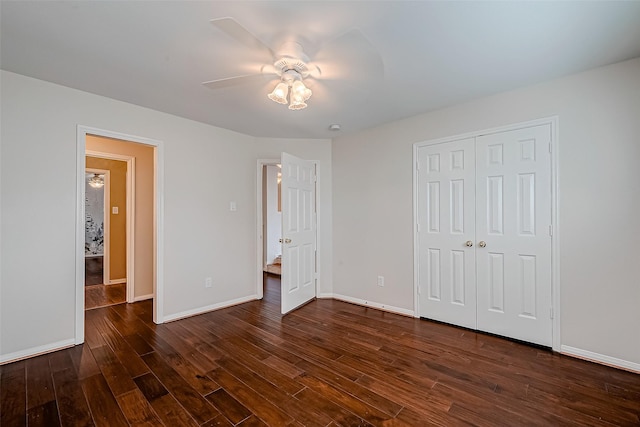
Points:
[(292, 57)]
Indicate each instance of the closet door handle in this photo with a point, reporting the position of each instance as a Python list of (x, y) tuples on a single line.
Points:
[(482, 244), (469, 243), (287, 240)]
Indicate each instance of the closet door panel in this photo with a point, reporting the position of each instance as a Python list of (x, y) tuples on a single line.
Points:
[(446, 218), (513, 243)]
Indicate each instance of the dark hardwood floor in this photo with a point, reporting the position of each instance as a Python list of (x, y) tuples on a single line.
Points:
[(96, 296), (327, 364), (93, 270)]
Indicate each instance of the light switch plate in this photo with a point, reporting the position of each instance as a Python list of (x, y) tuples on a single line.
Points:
[(114, 210)]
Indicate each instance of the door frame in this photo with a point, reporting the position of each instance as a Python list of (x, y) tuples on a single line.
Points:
[(130, 208), (555, 230), (106, 221), (158, 232), (259, 226)]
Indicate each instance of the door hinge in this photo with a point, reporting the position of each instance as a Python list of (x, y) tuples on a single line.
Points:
[(551, 230), (418, 290), (550, 148), (551, 313), (417, 227), (417, 164)]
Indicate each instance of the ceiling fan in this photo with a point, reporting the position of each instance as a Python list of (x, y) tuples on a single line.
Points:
[(349, 58)]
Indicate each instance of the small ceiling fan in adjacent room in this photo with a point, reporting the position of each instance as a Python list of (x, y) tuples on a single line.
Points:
[(347, 59)]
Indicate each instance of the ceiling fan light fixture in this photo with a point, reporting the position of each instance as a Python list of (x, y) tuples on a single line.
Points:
[(291, 86), (280, 93), (96, 181), (297, 102), (299, 89)]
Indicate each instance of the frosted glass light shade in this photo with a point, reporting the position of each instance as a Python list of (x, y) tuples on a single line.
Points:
[(279, 94), (299, 89), (297, 102)]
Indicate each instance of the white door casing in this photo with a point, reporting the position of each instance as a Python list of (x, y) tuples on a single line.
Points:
[(507, 198), (446, 211), (298, 278), (513, 193)]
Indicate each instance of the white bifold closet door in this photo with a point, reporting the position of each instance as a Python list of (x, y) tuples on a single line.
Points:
[(484, 236)]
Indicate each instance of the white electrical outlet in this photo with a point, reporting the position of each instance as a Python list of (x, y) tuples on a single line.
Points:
[(380, 280), (208, 282)]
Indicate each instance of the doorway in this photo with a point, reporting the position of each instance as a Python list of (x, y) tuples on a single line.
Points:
[(272, 218), (144, 159), (298, 241)]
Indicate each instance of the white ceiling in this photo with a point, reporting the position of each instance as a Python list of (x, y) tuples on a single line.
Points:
[(157, 53)]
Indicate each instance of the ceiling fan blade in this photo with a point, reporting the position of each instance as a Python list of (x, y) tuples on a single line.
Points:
[(233, 28), (348, 57), (234, 81)]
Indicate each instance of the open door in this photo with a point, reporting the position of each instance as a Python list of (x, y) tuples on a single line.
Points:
[(298, 232)]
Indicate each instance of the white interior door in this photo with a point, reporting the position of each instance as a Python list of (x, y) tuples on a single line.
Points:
[(298, 232), (513, 190), (446, 221), (492, 193)]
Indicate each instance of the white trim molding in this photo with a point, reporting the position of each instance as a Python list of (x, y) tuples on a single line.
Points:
[(36, 351), (372, 304), (130, 215), (600, 358), (208, 308), (142, 297)]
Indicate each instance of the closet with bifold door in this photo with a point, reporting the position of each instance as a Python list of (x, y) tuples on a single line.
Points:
[(483, 232)]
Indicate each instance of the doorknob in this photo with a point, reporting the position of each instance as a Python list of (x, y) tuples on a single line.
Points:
[(469, 243), (287, 240), (482, 244), (280, 240)]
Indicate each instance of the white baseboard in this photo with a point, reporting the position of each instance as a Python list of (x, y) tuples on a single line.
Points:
[(365, 303), (142, 297), (200, 310), (600, 358), (117, 281), (36, 351)]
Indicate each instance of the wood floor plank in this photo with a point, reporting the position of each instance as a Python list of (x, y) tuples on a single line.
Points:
[(172, 413), (364, 394), (251, 399), (127, 356), (13, 394), (362, 410), (39, 382), (72, 403), (104, 408), (45, 415), (337, 413), (114, 373), (276, 393), (197, 406), (137, 409), (233, 410), (83, 361)]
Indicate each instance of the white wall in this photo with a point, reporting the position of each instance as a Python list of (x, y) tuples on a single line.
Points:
[(599, 201), (205, 168), (273, 216)]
